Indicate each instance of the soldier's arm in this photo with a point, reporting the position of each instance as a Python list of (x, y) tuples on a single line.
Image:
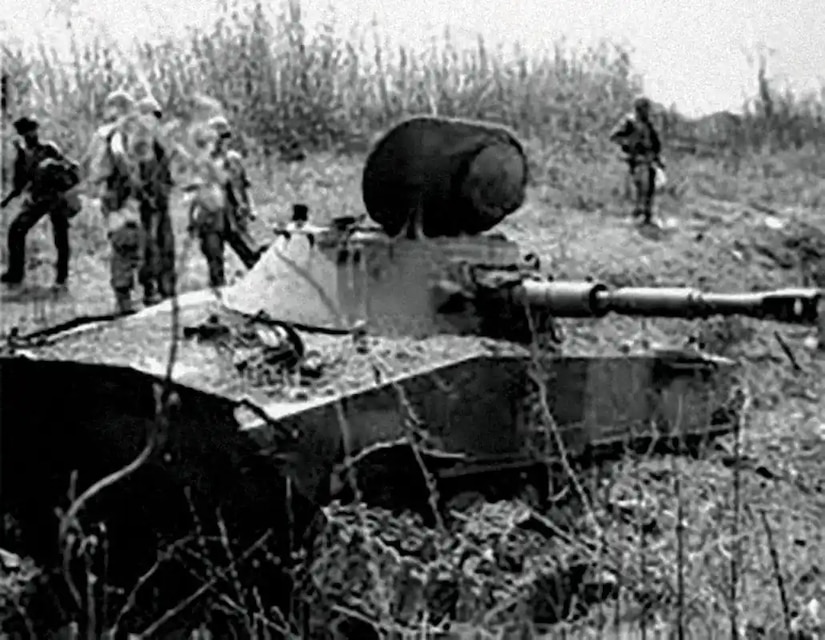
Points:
[(96, 162), (182, 163), (235, 162), (622, 129), (176, 152), (236, 167), (70, 165), (656, 146)]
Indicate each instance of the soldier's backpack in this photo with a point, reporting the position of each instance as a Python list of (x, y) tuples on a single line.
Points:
[(56, 175)]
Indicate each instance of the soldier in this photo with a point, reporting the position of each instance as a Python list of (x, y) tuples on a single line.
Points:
[(639, 141), (110, 170), (227, 220), (45, 175), (116, 105), (157, 272)]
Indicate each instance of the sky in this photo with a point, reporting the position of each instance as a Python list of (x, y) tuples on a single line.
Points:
[(692, 53)]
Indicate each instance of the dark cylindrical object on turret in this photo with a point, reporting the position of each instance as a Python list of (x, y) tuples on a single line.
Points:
[(460, 176)]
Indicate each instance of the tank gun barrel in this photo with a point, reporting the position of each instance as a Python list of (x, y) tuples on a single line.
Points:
[(587, 300)]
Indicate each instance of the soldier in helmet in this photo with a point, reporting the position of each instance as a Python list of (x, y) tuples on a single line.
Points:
[(45, 176), (112, 174), (642, 149), (227, 222), (150, 107), (157, 272)]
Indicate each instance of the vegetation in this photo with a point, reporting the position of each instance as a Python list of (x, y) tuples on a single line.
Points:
[(735, 546)]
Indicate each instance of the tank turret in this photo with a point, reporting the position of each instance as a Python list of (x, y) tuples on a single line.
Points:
[(348, 275)]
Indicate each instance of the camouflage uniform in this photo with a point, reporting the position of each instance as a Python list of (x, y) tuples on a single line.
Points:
[(109, 169), (227, 221), (45, 175), (157, 271), (640, 143)]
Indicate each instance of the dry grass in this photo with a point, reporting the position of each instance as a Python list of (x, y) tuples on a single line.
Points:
[(761, 522)]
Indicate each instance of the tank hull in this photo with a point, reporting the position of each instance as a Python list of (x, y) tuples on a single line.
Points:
[(242, 445)]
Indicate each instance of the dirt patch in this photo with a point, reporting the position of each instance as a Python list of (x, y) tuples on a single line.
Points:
[(797, 246)]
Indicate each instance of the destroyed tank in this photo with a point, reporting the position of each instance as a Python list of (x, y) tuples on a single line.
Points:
[(346, 343)]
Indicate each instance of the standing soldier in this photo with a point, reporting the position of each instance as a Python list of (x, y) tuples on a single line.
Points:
[(642, 149), (45, 175), (227, 220), (157, 272), (111, 172)]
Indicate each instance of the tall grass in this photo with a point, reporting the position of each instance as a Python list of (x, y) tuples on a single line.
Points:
[(286, 85), (282, 82)]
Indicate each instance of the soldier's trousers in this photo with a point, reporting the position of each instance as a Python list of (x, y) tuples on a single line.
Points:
[(157, 270), (32, 211), (644, 184), (212, 246), (127, 242), (214, 234)]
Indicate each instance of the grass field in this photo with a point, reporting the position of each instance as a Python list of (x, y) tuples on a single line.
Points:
[(742, 211)]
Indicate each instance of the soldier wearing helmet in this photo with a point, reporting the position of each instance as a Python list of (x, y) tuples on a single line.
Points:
[(45, 177), (157, 270), (227, 218), (109, 175), (116, 105), (150, 107), (640, 143), (220, 125), (123, 166)]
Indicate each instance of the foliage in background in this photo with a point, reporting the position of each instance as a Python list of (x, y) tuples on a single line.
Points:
[(287, 86)]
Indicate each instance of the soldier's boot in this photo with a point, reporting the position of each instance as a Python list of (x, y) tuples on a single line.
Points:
[(260, 252), (61, 280), (646, 216), (150, 295), (245, 247), (167, 283), (60, 288), (15, 272), (151, 299), (217, 276), (123, 302)]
